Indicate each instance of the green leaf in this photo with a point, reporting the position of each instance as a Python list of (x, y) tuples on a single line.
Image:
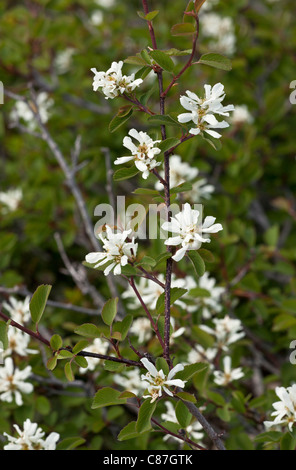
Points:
[(176, 293), (89, 330), (120, 329), (113, 366), (109, 311), (70, 443), (169, 143), (56, 342), (3, 335), (161, 364), (183, 415), (38, 302), (146, 191), (190, 370), (238, 402), (217, 398), (215, 143), (183, 29), (51, 363), (289, 305), (198, 262), (163, 60), (68, 371), (81, 361), (128, 270), (198, 4), (181, 188), (206, 255), (146, 261), (270, 436), (177, 52), (125, 173), (151, 15), (217, 61), (162, 257), (135, 60), (199, 292), (128, 432), (165, 120), (65, 354), (107, 397), (120, 119), (288, 442), (224, 413), (80, 346), (186, 397), (144, 416)]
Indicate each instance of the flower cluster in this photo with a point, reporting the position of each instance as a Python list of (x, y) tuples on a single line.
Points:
[(31, 438), (19, 310), (285, 408), (10, 200), (143, 153), (12, 382), (117, 251), (202, 111), (113, 83), (189, 230), (223, 378), (157, 382), (227, 331), (194, 430), (220, 30), (24, 111)]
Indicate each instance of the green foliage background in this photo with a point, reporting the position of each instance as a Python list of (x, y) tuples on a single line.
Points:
[(254, 175)]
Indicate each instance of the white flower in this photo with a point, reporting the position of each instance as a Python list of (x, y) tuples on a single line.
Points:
[(10, 199), (18, 343), (22, 110), (63, 60), (241, 115), (193, 430), (210, 304), (19, 310), (285, 409), (228, 375), (98, 347), (186, 225), (208, 5), (131, 381), (141, 328), (105, 3), (12, 382), (227, 331), (31, 438), (157, 382), (113, 83), (202, 110), (200, 190), (116, 251), (143, 153), (97, 18), (180, 172), (221, 30), (199, 354)]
